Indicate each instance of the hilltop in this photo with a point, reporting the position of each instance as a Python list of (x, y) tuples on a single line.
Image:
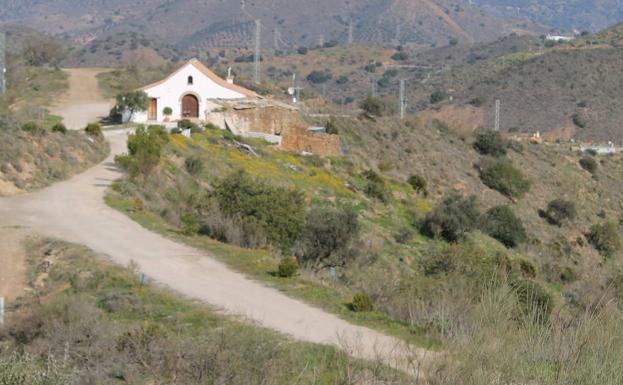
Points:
[(196, 25)]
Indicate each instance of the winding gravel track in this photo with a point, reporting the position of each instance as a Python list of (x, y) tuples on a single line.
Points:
[(75, 211)]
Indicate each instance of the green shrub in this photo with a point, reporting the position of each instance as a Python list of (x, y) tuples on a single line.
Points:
[(59, 127), (589, 164), (328, 238), (489, 142), (319, 77), (331, 127), (438, 96), (559, 211), (276, 211), (605, 238), (93, 129), (186, 124), (502, 176), (144, 150), (527, 268), (579, 120), (194, 165), (400, 56), (535, 303), (302, 50), (288, 267), (372, 106), (502, 224), (375, 186), (419, 184), (167, 111), (33, 128), (190, 224), (452, 218), (362, 303)]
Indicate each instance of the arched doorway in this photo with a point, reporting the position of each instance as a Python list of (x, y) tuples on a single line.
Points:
[(190, 106)]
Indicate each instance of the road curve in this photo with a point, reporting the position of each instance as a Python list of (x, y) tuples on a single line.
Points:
[(74, 210)]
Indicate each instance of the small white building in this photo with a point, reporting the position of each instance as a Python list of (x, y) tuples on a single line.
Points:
[(558, 38), (191, 92)]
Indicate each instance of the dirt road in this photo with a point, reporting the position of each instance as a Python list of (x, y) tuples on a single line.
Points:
[(83, 103), (74, 210)]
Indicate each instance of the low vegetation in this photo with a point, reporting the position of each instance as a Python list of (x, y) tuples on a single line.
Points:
[(464, 271), (502, 176), (36, 156), (101, 324)]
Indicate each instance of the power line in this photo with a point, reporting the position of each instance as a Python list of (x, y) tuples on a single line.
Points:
[(258, 46)]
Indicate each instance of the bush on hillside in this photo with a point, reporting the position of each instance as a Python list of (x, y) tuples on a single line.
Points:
[(375, 187), (605, 238), (559, 211), (400, 56), (194, 165), (502, 224), (535, 303), (33, 128), (190, 224), (328, 238), (331, 127), (502, 176), (419, 184), (302, 50), (362, 303), (60, 128), (186, 124), (589, 164), (372, 106), (288, 267), (489, 142), (452, 218), (437, 97), (144, 150), (276, 211), (319, 77), (579, 120), (93, 129)]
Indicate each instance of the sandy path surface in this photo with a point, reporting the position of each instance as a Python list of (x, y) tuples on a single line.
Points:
[(75, 211), (83, 103)]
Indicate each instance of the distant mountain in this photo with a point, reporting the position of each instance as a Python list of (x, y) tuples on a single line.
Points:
[(198, 24), (590, 15)]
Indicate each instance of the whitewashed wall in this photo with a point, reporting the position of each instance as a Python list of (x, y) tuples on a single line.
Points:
[(170, 93)]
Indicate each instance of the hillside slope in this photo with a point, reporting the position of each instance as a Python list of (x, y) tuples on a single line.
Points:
[(200, 24)]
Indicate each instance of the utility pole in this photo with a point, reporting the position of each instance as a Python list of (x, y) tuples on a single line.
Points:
[(258, 46), (351, 37), (1, 310), (497, 114), (403, 100), (276, 40), (2, 63)]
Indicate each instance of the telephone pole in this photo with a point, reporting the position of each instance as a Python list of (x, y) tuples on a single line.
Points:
[(258, 46), (2, 63), (497, 114), (276, 40), (403, 100), (351, 37)]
